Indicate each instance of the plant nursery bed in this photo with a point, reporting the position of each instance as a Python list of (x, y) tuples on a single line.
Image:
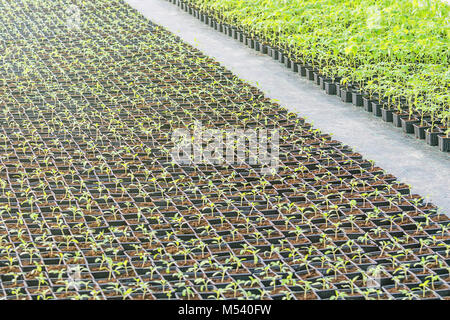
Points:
[(352, 55), (93, 206)]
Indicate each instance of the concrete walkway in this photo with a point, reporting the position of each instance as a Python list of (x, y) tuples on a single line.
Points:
[(425, 168)]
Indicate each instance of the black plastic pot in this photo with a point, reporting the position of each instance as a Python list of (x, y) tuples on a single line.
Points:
[(288, 63), (444, 143), (431, 137), (386, 115), (251, 43), (240, 36), (230, 31), (322, 81), (407, 125), (269, 51), (275, 54), (264, 49), (302, 70), (235, 34), (357, 99), (257, 46), (330, 88), (346, 95), (419, 131), (367, 104), (376, 109), (396, 119), (310, 74), (317, 77)]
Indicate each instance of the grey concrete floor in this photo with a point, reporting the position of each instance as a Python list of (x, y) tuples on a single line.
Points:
[(425, 168)]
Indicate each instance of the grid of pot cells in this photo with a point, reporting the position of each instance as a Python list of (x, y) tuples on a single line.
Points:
[(93, 207)]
